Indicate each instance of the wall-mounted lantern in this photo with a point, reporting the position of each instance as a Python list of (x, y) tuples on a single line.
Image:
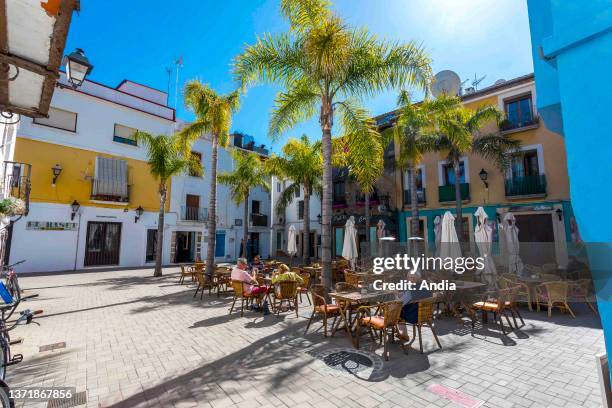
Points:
[(77, 67), (139, 212), (484, 176), (75, 209), (559, 214), (57, 170)]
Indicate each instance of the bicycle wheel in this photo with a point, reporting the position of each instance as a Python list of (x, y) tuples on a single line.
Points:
[(5, 355), (5, 399)]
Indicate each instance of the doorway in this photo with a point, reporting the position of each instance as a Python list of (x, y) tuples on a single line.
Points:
[(253, 245), (151, 245), (185, 246), (536, 230), (192, 207), (312, 243), (103, 243)]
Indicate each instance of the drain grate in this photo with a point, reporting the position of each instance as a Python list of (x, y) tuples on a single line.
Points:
[(79, 398), (51, 347)]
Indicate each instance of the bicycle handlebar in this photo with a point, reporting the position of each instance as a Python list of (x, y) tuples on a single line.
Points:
[(7, 267)]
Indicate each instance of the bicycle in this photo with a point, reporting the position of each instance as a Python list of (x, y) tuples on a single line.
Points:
[(11, 281)]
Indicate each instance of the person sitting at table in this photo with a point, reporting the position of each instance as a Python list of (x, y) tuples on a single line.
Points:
[(285, 274), (250, 284), (410, 310), (257, 263)]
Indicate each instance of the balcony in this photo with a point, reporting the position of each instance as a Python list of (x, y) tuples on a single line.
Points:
[(259, 220), (194, 214), (110, 191), (16, 182), (526, 186), (510, 127), (447, 193), (360, 199), (420, 197)]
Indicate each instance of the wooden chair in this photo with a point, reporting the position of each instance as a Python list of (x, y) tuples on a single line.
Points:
[(321, 307), (498, 306), (385, 322), (285, 291), (522, 293), (204, 282), (223, 279), (553, 294), (344, 287), (303, 287), (239, 293), (186, 270), (582, 291), (425, 316)]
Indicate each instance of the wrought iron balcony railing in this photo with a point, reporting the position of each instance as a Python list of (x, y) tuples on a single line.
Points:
[(16, 182), (526, 186), (421, 198), (447, 193), (110, 191), (196, 214), (259, 220)]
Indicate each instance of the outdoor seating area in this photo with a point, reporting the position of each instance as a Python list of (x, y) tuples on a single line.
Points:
[(171, 348)]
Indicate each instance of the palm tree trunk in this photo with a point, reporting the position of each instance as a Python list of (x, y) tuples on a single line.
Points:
[(159, 245), (414, 205), (306, 241), (212, 210), (245, 228), (367, 253), (326, 210), (459, 220)]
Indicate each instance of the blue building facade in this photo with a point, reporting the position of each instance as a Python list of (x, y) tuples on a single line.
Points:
[(572, 53)]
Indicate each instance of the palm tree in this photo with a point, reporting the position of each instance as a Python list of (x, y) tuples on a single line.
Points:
[(412, 122), (167, 156), (213, 115), (458, 132), (248, 173), (325, 67), (302, 164)]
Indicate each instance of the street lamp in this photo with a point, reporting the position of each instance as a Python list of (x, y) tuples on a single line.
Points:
[(484, 176), (77, 67), (75, 209), (139, 212), (57, 170)]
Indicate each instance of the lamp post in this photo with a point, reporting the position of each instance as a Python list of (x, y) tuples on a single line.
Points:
[(75, 209), (77, 68), (57, 170), (484, 176), (139, 212)]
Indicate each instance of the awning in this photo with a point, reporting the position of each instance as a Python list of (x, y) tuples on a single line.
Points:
[(32, 39)]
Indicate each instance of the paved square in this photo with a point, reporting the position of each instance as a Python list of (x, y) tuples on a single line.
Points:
[(137, 341)]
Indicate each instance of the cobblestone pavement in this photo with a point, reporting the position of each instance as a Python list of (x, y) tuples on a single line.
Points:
[(137, 341)]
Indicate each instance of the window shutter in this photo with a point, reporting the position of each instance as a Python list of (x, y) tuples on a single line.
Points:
[(110, 178)]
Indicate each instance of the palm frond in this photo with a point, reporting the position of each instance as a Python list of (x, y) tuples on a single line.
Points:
[(286, 196), (304, 15), (297, 104), (497, 148)]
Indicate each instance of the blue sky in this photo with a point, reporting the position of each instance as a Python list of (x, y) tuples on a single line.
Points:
[(138, 39)]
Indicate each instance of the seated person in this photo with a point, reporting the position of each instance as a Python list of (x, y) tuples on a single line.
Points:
[(239, 273), (284, 274), (257, 263), (410, 310)]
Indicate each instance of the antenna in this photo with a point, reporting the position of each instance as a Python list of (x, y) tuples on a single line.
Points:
[(169, 72), (178, 63), (477, 81)]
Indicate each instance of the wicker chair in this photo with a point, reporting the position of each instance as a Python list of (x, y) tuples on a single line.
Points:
[(582, 291), (351, 278), (321, 307), (303, 287), (239, 293), (204, 282), (425, 317), (498, 306), (286, 291), (522, 293), (385, 323), (223, 279), (186, 270), (554, 293)]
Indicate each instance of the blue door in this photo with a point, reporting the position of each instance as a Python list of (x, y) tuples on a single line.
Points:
[(220, 245)]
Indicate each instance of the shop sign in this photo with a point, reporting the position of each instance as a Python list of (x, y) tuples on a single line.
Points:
[(51, 226)]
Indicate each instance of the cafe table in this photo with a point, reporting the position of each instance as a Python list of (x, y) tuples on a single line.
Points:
[(346, 299)]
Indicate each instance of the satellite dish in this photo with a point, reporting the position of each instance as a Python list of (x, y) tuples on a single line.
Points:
[(446, 82)]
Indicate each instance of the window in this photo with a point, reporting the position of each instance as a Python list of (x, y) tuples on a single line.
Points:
[(519, 111), (278, 187), (124, 134), (419, 179), (298, 192), (525, 164), (59, 119), (255, 207), (196, 156), (339, 196), (301, 210), (279, 240), (110, 182), (449, 173)]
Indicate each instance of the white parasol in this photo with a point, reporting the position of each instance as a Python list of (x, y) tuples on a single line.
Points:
[(449, 243), (511, 244), (349, 249), (483, 235)]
